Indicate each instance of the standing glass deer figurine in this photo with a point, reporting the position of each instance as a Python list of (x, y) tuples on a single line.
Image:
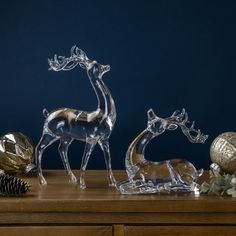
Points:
[(176, 175), (67, 124)]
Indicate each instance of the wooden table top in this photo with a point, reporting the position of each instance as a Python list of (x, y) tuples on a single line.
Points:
[(60, 196)]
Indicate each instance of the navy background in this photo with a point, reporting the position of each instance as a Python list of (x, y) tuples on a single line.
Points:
[(163, 54)]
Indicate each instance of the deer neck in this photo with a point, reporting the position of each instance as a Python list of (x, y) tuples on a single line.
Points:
[(105, 101), (135, 153)]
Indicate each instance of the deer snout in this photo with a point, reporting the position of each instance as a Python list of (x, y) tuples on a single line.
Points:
[(105, 69)]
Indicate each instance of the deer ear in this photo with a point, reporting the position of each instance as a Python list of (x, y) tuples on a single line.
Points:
[(151, 115)]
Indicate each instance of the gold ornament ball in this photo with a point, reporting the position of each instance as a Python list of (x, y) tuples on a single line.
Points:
[(223, 152), (16, 153)]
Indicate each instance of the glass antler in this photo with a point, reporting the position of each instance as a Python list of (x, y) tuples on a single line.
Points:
[(78, 56), (193, 135)]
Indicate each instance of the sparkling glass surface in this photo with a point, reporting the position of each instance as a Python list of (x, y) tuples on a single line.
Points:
[(16, 153), (67, 124), (177, 175)]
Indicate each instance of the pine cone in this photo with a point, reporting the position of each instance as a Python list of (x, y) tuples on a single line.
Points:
[(10, 185)]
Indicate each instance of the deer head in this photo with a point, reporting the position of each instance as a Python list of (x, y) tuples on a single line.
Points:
[(78, 56), (158, 125)]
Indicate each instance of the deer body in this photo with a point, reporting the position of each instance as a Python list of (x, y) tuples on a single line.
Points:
[(81, 125), (68, 124), (146, 176), (160, 172)]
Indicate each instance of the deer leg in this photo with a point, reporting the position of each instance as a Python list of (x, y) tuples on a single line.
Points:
[(44, 142), (89, 146), (63, 149), (172, 173), (104, 144)]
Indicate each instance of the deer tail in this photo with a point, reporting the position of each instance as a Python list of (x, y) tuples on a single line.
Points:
[(45, 113)]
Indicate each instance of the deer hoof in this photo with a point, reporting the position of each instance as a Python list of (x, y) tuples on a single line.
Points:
[(83, 186), (42, 181), (73, 179), (82, 183), (112, 184), (111, 181)]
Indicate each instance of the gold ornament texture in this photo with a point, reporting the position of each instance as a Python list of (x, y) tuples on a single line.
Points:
[(16, 154), (223, 152)]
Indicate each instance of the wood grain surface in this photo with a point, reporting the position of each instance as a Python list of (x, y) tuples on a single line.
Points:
[(62, 207)]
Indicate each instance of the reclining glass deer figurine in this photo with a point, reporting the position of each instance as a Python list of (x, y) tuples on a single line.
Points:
[(67, 124), (176, 175)]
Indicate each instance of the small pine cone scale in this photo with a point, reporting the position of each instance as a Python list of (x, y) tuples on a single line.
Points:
[(10, 185)]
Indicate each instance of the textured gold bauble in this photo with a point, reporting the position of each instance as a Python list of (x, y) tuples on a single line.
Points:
[(223, 151), (16, 153)]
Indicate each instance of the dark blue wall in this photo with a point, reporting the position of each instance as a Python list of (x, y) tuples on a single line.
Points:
[(163, 54)]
